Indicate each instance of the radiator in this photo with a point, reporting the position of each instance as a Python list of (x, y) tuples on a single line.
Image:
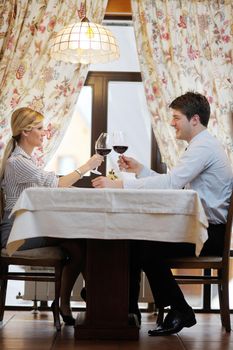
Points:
[(43, 291)]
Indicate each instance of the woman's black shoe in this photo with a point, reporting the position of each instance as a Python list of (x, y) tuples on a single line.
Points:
[(56, 317), (67, 319)]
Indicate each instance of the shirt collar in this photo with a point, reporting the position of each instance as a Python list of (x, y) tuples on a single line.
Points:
[(19, 151), (200, 135)]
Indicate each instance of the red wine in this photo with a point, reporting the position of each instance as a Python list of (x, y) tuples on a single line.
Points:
[(103, 151), (120, 149)]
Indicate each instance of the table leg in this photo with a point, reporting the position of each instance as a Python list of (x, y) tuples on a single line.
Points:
[(106, 315)]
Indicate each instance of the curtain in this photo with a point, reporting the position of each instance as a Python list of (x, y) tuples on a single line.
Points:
[(28, 76), (185, 46)]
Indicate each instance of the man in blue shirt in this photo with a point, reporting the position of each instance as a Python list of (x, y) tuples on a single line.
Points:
[(205, 168)]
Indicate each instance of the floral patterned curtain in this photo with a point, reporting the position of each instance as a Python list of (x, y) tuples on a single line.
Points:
[(186, 45), (28, 76)]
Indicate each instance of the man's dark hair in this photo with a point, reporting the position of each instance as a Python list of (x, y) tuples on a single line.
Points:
[(193, 103)]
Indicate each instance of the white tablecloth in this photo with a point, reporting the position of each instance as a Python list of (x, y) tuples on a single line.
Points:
[(160, 215)]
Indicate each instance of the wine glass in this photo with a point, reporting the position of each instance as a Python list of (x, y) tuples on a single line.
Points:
[(102, 147), (119, 142)]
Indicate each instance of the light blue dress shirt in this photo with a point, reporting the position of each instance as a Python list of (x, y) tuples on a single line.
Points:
[(205, 168)]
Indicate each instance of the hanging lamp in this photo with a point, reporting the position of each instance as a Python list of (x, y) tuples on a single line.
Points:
[(85, 42)]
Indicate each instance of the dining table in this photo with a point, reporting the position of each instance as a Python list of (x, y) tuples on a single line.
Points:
[(108, 219)]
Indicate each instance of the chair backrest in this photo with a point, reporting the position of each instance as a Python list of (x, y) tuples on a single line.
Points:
[(2, 204), (0, 237), (227, 240)]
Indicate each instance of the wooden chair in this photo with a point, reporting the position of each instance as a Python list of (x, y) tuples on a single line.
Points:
[(41, 257), (218, 264)]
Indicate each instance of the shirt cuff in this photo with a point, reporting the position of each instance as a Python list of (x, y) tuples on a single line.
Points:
[(133, 183), (144, 172)]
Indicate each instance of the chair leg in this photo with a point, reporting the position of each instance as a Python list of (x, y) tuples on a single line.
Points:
[(220, 297), (160, 316), (58, 273), (3, 289), (223, 291)]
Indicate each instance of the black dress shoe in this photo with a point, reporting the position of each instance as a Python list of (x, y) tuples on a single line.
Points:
[(135, 318), (83, 294), (174, 322), (137, 313)]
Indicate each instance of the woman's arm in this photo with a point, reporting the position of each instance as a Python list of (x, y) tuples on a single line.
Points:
[(69, 179), (26, 172)]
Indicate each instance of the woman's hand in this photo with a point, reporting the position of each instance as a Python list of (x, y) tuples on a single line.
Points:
[(92, 163), (129, 165), (103, 182)]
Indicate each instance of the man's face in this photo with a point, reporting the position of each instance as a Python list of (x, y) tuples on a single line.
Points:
[(182, 125)]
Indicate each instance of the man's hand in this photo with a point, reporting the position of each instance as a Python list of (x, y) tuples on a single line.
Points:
[(129, 165), (105, 182)]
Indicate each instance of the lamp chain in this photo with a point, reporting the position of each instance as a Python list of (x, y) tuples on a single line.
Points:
[(83, 10)]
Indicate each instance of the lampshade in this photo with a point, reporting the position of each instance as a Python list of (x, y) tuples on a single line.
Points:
[(85, 42)]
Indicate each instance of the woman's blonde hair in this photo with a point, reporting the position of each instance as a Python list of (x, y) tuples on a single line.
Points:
[(22, 119)]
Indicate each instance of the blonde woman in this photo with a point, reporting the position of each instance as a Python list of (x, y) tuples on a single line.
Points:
[(19, 171)]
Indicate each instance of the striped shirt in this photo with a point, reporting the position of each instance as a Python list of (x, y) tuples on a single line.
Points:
[(22, 172)]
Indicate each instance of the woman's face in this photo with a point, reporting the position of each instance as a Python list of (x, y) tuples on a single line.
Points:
[(36, 135)]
